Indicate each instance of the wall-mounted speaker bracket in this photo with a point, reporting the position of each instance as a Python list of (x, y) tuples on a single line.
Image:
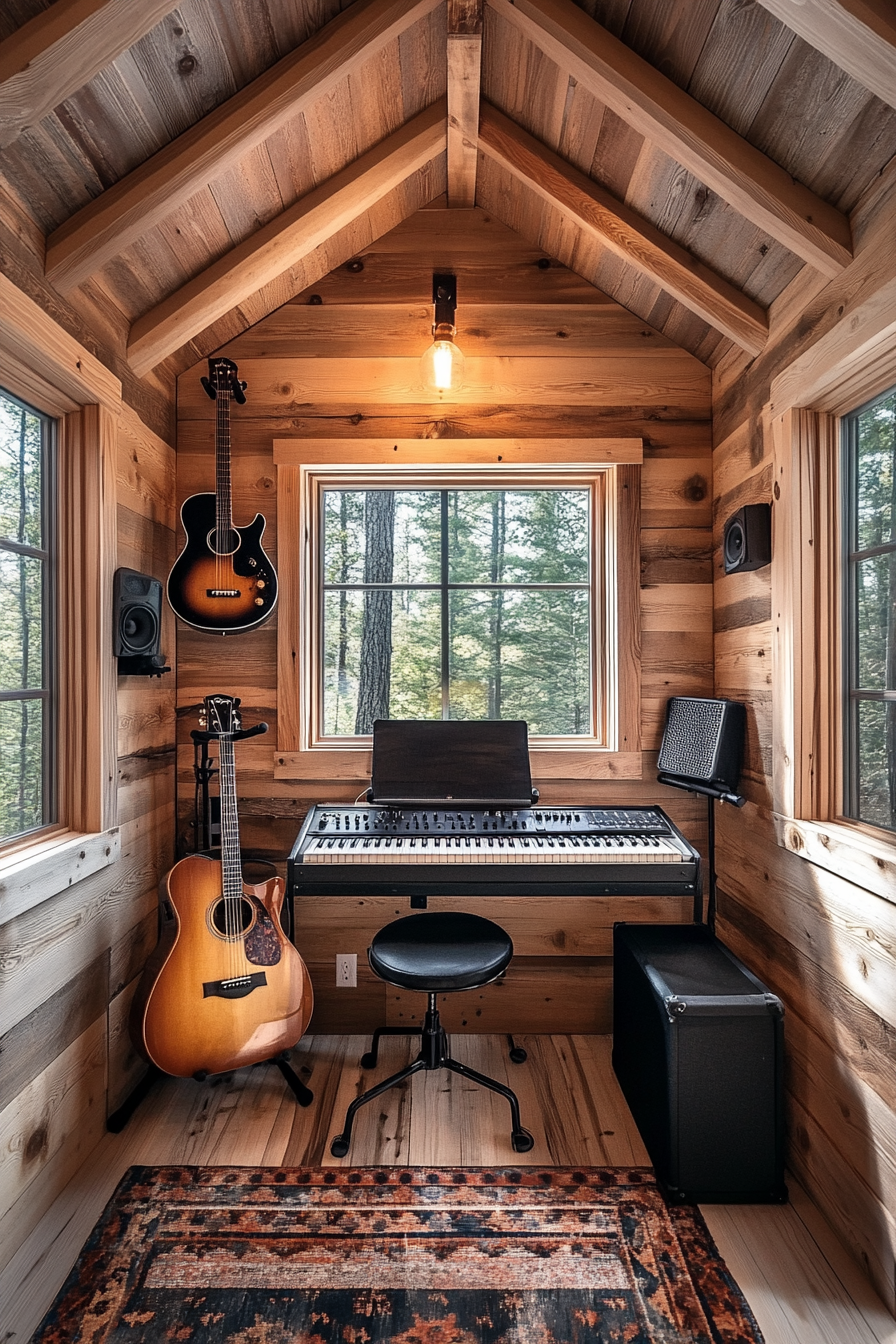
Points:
[(142, 665)]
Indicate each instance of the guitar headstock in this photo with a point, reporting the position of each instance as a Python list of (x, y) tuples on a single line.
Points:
[(221, 715), (223, 379)]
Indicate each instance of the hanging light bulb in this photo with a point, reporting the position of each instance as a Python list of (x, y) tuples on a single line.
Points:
[(442, 365)]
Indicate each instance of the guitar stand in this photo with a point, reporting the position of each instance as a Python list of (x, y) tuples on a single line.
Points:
[(116, 1122)]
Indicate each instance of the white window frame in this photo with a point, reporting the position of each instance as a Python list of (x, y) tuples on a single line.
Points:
[(44, 366), (609, 467)]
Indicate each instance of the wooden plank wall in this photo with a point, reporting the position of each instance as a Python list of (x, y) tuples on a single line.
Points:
[(563, 360), (823, 942), (69, 966)]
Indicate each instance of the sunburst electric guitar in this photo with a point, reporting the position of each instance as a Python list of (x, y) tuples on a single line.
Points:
[(225, 986), (222, 581)]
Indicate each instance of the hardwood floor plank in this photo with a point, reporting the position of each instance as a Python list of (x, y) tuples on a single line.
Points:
[(799, 1281)]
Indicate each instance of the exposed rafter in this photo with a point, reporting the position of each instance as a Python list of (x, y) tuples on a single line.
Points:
[(656, 107), (287, 239), (59, 50), (628, 235), (464, 73), (125, 211), (857, 35)]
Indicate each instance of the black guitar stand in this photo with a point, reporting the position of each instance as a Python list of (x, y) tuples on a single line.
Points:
[(116, 1122)]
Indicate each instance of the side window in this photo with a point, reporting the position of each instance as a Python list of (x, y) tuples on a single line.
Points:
[(869, 449), (27, 800)]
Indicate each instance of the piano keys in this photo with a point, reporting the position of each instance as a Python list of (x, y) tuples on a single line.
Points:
[(375, 850)]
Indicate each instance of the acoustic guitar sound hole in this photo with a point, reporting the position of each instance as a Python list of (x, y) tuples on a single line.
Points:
[(223, 542), (231, 919)]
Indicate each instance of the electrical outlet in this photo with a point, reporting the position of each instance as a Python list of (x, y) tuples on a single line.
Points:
[(347, 970)]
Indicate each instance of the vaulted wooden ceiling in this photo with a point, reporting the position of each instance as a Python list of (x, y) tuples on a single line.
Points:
[(189, 168)]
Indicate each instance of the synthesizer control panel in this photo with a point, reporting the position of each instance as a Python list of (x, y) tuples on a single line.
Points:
[(369, 820)]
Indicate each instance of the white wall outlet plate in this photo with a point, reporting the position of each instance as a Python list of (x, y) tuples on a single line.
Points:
[(347, 969)]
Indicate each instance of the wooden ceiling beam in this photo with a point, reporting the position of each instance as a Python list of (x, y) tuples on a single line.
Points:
[(215, 144), (670, 118), (591, 208), (464, 76), (286, 240), (857, 35), (61, 49)]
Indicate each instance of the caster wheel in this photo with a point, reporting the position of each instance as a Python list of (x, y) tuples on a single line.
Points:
[(522, 1141), (368, 1061), (518, 1055), (339, 1146)]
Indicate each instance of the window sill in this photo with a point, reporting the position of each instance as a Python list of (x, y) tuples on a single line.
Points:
[(850, 852), (33, 874), (345, 765)]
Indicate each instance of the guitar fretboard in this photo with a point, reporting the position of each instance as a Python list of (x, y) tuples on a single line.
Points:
[(223, 506), (230, 831)]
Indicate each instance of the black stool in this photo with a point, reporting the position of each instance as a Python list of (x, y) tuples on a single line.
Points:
[(436, 953)]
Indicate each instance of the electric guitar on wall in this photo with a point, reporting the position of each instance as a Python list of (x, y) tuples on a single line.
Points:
[(222, 581), (225, 987)]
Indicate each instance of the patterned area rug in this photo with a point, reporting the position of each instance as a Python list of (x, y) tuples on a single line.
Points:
[(242, 1255)]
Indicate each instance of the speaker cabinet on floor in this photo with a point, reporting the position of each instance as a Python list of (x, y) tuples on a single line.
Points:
[(698, 1047), (747, 538), (703, 743)]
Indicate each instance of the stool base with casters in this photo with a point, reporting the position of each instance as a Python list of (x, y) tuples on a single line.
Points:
[(434, 1054), (437, 953)]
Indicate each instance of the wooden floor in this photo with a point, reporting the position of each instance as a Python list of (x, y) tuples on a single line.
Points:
[(802, 1286)]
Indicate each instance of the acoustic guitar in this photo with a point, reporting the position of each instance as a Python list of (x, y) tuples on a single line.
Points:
[(225, 986), (222, 581)]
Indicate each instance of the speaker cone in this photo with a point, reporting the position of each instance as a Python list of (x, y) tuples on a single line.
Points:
[(139, 627), (735, 542)]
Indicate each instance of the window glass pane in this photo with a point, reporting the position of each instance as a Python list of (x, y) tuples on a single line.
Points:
[(381, 536), (21, 618), (875, 482), (875, 791), (522, 655), (21, 766), (381, 658), (519, 536), (21, 461)]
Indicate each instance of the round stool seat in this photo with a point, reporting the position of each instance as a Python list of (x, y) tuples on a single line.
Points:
[(440, 951)]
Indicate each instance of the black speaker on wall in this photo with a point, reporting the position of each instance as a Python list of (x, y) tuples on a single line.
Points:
[(137, 623), (703, 745), (747, 539)]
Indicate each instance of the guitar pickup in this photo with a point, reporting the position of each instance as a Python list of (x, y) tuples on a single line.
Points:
[(223, 592), (236, 988)]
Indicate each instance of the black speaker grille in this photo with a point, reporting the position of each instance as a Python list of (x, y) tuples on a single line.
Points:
[(691, 738)]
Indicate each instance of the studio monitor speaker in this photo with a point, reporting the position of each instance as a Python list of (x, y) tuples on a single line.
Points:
[(747, 540), (703, 744), (136, 614)]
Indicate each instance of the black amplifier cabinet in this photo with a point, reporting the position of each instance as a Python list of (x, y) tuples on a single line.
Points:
[(698, 1046)]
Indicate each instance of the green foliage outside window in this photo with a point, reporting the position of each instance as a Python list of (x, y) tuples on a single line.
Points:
[(24, 587), (461, 603), (871, 606)]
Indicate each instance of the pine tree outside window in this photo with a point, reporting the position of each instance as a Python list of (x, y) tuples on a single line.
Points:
[(869, 445), (461, 603), (26, 620)]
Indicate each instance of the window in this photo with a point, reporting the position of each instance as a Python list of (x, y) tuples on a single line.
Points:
[(27, 710), (462, 603), (415, 586), (869, 453)]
